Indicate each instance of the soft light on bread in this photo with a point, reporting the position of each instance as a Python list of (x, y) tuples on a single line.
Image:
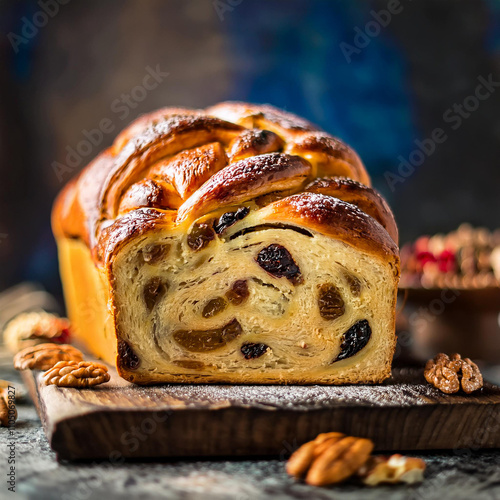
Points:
[(235, 244)]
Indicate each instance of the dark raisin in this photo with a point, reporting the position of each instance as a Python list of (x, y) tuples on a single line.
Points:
[(128, 358), (274, 225), (208, 340), (154, 253), (354, 284), (277, 260), (154, 291), (238, 292), (213, 307), (252, 351), (355, 339), (200, 236), (230, 218), (330, 303)]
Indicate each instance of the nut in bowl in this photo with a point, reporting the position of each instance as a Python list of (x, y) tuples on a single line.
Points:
[(452, 293)]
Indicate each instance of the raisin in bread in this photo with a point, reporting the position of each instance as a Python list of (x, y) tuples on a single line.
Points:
[(235, 244)]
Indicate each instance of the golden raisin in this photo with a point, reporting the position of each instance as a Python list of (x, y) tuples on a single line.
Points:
[(354, 284), (200, 236), (208, 340), (213, 307), (238, 292), (154, 292), (154, 253), (330, 302)]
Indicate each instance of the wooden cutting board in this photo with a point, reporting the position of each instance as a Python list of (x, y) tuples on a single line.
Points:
[(119, 419)]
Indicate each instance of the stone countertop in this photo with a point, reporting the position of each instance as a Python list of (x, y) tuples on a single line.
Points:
[(463, 474)]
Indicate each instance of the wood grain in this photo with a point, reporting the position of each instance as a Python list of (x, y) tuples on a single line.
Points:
[(120, 420)]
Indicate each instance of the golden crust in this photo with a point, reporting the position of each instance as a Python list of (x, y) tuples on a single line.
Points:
[(261, 116), (188, 170), (366, 199), (253, 142), (152, 378), (329, 156), (145, 121), (96, 194), (122, 230), (149, 145), (245, 180)]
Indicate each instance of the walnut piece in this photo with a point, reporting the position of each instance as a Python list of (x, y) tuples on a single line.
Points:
[(45, 356), (392, 470), (448, 374), (76, 374), (4, 408), (15, 388), (35, 328), (331, 458), (472, 380)]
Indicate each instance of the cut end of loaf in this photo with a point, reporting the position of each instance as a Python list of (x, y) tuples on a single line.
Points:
[(259, 302)]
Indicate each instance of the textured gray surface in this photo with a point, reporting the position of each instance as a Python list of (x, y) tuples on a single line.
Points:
[(468, 474)]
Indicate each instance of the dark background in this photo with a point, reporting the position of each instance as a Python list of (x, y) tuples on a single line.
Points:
[(61, 81)]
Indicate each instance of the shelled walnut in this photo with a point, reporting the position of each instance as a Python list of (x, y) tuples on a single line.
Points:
[(4, 408), (331, 458), (34, 328), (448, 374), (45, 356), (76, 374)]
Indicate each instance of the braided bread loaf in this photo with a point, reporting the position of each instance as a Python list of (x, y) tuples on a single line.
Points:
[(235, 244)]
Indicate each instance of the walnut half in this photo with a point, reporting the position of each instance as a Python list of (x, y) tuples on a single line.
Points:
[(33, 328), (4, 409), (331, 458), (76, 374), (45, 356), (448, 374)]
